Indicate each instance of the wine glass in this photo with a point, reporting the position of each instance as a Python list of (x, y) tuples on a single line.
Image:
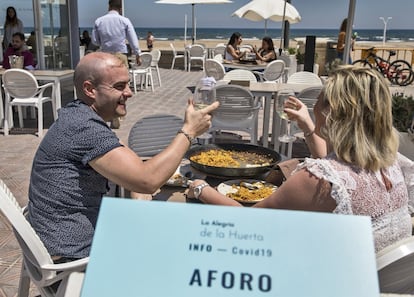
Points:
[(204, 95), (282, 96)]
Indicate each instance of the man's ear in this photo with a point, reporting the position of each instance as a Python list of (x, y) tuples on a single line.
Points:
[(89, 89)]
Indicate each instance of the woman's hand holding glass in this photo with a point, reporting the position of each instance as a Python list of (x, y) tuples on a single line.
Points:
[(297, 111)]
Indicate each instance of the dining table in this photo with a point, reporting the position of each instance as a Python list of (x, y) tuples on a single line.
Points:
[(55, 76), (254, 65)]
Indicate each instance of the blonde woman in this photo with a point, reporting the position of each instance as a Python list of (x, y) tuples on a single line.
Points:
[(360, 173)]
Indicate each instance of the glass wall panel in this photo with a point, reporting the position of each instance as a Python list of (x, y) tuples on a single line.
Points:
[(24, 11), (54, 23), (54, 16)]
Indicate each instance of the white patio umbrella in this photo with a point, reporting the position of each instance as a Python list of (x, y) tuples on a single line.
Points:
[(264, 10), (193, 3)]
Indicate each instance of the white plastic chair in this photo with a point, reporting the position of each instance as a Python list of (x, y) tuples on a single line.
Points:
[(246, 48), (156, 56), (196, 53), (152, 134), (308, 96), (73, 286), (37, 266), (219, 50), (176, 56), (395, 265), (286, 60), (144, 70), (218, 58), (273, 71), (238, 111), (214, 69), (21, 89), (240, 74), (305, 77)]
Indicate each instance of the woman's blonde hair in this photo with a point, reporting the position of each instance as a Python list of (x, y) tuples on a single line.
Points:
[(359, 124)]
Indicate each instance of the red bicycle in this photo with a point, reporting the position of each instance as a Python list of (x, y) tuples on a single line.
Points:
[(397, 72)]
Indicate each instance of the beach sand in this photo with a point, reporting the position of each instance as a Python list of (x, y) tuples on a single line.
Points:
[(325, 48)]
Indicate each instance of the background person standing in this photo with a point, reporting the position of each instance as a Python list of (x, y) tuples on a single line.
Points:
[(11, 25), (150, 40), (111, 30), (342, 40)]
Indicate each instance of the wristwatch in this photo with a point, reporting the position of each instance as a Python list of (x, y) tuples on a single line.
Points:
[(198, 189)]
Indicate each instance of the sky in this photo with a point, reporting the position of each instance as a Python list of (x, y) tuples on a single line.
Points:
[(316, 14)]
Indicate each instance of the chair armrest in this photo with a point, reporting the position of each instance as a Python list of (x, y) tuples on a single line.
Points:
[(76, 265), (43, 88), (47, 85)]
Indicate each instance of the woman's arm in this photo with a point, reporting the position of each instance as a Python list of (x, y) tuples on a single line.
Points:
[(234, 53), (341, 42), (266, 58), (298, 112), (301, 191)]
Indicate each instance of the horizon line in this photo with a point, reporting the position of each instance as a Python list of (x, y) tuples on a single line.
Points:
[(260, 28)]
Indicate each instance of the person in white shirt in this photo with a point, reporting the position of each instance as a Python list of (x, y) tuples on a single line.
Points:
[(111, 30)]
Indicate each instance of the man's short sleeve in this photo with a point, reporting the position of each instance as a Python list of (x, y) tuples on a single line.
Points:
[(97, 139)]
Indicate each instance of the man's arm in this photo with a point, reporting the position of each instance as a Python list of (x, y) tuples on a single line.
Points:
[(95, 36), (132, 37), (125, 168), (122, 166)]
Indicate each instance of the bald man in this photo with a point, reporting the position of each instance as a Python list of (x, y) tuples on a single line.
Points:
[(80, 153)]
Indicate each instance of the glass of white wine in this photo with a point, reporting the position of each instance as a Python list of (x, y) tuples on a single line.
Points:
[(204, 95), (281, 98)]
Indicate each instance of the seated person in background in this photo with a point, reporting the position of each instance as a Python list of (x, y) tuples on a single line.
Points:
[(359, 172), (18, 48), (232, 51), (31, 41), (86, 41), (267, 52), (80, 153)]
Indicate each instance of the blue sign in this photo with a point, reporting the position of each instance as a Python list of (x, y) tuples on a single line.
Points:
[(156, 249)]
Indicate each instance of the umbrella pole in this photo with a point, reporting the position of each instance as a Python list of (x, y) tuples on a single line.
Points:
[(351, 15), (193, 20), (283, 29), (286, 31), (265, 27)]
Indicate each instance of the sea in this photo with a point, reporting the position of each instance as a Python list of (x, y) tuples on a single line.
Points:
[(392, 35), (258, 33)]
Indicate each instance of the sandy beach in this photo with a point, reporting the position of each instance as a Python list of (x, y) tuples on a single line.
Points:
[(211, 43), (325, 50)]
